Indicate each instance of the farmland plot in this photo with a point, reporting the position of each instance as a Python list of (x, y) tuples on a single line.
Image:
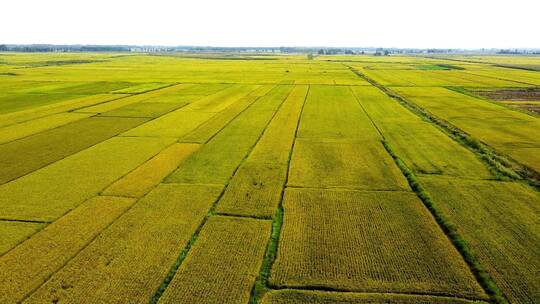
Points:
[(142, 244), (250, 178), (180, 122), (424, 148), (337, 164), (19, 157), (15, 232), (255, 189), (46, 194), (30, 264), (223, 264), (328, 241), (500, 221), (510, 132), (216, 161)]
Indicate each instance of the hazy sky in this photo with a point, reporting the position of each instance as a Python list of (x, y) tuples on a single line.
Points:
[(387, 23)]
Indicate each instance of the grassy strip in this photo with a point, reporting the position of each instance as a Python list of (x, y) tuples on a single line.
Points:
[(500, 166), (451, 231), (181, 257), (261, 284), (183, 254)]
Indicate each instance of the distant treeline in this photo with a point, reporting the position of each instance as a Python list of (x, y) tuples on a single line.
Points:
[(63, 48), (286, 50)]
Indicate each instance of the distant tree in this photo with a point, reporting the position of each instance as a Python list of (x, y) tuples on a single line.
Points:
[(3, 48), (386, 53), (310, 56)]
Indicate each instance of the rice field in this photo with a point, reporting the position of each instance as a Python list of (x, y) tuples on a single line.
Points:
[(174, 178)]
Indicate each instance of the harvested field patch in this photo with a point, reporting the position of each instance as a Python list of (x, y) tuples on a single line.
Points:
[(290, 296), (49, 193), (31, 263), (511, 94), (343, 240), (128, 261), (223, 264), (531, 106), (499, 220), (28, 154), (337, 164), (141, 180)]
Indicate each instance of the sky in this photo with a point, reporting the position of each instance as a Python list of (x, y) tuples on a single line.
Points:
[(340, 23)]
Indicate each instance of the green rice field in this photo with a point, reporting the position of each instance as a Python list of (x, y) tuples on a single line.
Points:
[(189, 178)]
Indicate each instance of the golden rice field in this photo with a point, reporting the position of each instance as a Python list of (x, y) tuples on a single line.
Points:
[(144, 178)]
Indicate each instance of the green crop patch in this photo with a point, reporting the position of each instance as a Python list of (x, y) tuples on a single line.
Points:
[(211, 127), (141, 180), (219, 101), (444, 67), (426, 150), (17, 102), (28, 154), (149, 110), (31, 263), (333, 112), (289, 296), (382, 108), (48, 193), (344, 240), (338, 164), (203, 89), (34, 126), (499, 220), (255, 189), (57, 108), (506, 130), (174, 124), (140, 88), (216, 161), (182, 121), (128, 261), (14, 233), (222, 265), (167, 94)]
